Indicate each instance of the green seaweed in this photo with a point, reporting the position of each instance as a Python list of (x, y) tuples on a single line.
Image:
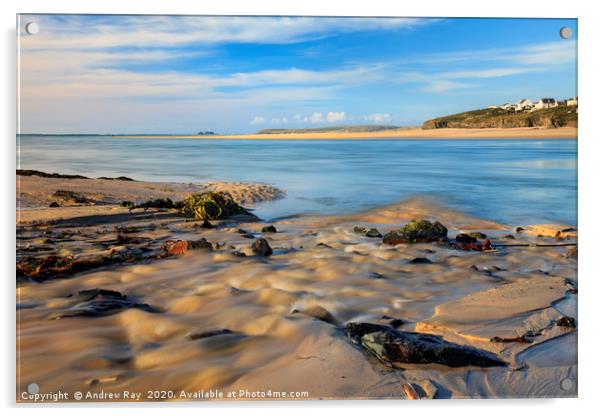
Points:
[(210, 205)]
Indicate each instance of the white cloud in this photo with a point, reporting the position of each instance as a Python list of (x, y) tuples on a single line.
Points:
[(258, 120), (334, 116), (442, 85), (77, 31), (378, 118), (316, 118)]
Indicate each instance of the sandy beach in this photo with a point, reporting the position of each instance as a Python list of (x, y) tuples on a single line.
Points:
[(186, 307), (400, 134)]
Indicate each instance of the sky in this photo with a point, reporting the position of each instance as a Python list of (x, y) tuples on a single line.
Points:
[(183, 74)]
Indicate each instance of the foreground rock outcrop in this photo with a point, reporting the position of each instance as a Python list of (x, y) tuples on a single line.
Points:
[(392, 346)]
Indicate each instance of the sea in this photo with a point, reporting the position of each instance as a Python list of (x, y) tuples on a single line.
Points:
[(509, 181)]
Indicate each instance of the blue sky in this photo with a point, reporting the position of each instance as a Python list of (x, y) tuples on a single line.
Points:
[(174, 74)]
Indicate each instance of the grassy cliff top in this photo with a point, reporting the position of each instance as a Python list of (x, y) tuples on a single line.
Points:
[(498, 118)]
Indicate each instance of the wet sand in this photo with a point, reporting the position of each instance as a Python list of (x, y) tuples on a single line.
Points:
[(400, 134), (227, 319)]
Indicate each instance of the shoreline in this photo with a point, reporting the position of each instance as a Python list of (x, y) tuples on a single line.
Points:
[(522, 133)]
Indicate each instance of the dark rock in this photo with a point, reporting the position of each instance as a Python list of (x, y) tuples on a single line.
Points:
[(519, 230), (261, 247), (234, 291), (54, 204), (118, 178), (43, 268), (70, 196), (509, 237), (375, 275), (206, 224), (238, 254), (392, 346), (521, 339), (269, 229), (100, 302), (566, 322), (368, 232), (200, 244), (477, 234), (393, 238), (396, 323), (245, 233), (417, 232), (209, 334), (474, 246), (465, 239), (373, 233), (323, 245), (31, 172), (420, 260)]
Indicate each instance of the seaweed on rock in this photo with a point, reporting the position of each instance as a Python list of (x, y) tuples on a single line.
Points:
[(210, 206)]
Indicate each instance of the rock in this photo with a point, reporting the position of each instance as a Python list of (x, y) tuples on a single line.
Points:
[(261, 248), (47, 267), (571, 253), (465, 239), (519, 230), (392, 346), (208, 334), (474, 246), (393, 238), (509, 237), (376, 275), (200, 244), (420, 260), (54, 204), (177, 247), (269, 229), (323, 245), (100, 302), (523, 339), (118, 178), (477, 234), (417, 232), (70, 196), (368, 232), (206, 224), (566, 322), (396, 323)]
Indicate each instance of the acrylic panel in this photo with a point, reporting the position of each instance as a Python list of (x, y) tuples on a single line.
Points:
[(295, 208)]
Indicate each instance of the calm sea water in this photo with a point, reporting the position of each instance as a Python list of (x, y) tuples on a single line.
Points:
[(512, 181)]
